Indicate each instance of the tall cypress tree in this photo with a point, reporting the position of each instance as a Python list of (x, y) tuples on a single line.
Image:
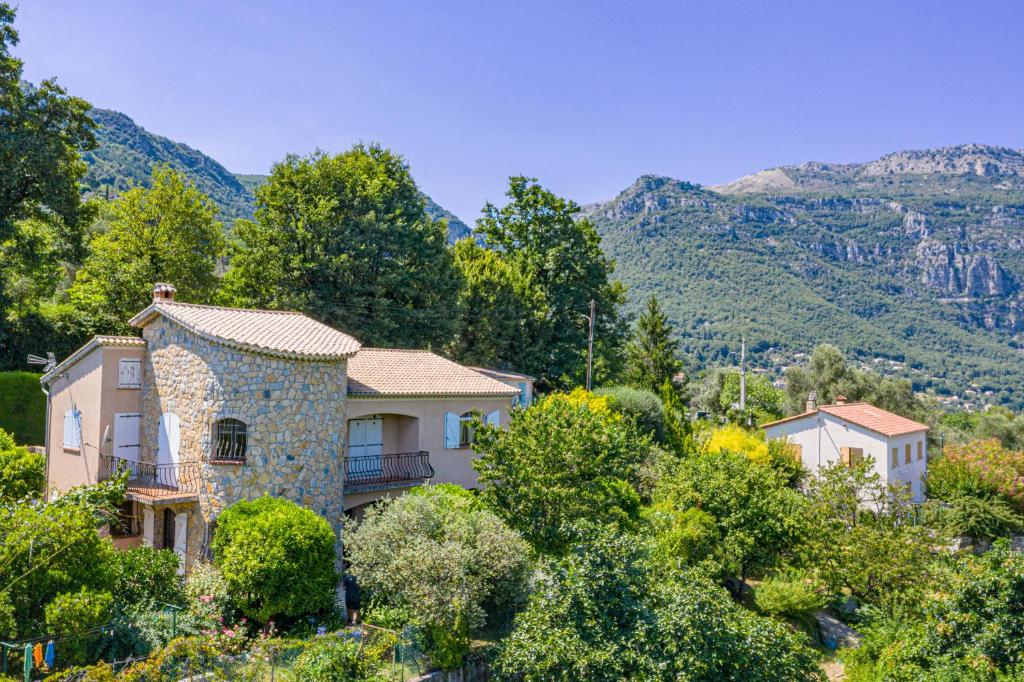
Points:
[(651, 353)]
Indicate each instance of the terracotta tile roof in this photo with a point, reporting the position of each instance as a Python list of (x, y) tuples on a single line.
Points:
[(380, 372), (866, 415), (94, 343), (270, 332)]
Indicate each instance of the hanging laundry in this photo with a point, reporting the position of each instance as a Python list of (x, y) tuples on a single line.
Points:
[(37, 655), (50, 657), (28, 661)]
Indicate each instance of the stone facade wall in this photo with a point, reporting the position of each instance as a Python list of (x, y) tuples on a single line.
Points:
[(295, 412)]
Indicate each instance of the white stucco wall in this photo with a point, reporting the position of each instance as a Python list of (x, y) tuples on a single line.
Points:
[(821, 436)]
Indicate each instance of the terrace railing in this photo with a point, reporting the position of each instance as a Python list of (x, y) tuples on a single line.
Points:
[(154, 480), (403, 468)]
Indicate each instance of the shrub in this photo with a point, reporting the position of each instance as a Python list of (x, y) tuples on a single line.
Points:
[(641, 406), (7, 623), (793, 598), (23, 406), (22, 473), (732, 438), (597, 616), (680, 537), (335, 658), (435, 558), (145, 577), (987, 517), (277, 558), (984, 464), (71, 614), (207, 597)]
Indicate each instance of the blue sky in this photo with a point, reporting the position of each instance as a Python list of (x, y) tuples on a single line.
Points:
[(585, 96)]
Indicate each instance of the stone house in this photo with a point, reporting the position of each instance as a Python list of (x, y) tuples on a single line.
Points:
[(852, 432), (213, 405)]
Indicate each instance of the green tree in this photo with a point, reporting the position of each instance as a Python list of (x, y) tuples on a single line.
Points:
[(41, 132), (539, 233), (760, 518), (499, 307), (437, 559), (277, 558), (22, 473), (565, 460), (597, 615), (828, 375), (165, 233), (347, 239), (720, 392), (860, 540), (651, 353), (42, 217)]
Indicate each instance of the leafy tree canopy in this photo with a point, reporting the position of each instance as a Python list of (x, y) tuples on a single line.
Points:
[(540, 234), (347, 239), (566, 459), (22, 473), (166, 233)]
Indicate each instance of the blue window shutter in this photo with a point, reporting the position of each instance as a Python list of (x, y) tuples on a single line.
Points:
[(451, 430), (493, 419)]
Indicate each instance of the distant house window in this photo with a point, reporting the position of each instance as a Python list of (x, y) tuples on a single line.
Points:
[(851, 457), (73, 429), (906, 454), (229, 441), (524, 394), (895, 457), (920, 450), (796, 451), (168, 529), (129, 373)]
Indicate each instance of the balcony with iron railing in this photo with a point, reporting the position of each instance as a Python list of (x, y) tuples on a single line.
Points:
[(154, 481), (379, 472)]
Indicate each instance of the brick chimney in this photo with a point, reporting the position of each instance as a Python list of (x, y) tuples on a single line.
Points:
[(163, 293), (812, 401), (840, 400)]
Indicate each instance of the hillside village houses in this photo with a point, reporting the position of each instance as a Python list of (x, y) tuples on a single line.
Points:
[(213, 405), (850, 432)]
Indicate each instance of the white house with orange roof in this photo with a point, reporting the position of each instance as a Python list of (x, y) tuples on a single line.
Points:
[(211, 405), (851, 432)]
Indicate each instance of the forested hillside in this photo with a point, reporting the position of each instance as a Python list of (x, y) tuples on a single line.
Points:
[(912, 263)]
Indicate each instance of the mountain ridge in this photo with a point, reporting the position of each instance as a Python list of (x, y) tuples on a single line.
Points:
[(126, 153), (917, 270)]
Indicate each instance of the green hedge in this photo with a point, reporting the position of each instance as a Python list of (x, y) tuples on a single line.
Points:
[(22, 407)]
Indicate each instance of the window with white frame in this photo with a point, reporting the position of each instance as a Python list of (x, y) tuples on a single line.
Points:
[(129, 373)]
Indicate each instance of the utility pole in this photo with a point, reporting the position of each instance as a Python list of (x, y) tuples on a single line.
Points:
[(590, 346), (743, 373)]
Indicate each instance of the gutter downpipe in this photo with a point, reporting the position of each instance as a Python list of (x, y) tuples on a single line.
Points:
[(46, 438)]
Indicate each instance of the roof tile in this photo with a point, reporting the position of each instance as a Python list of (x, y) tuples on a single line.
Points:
[(271, 332), (864, 414), (380, 372)]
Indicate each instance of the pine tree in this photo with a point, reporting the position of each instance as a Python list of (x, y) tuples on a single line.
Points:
[(651, 353)]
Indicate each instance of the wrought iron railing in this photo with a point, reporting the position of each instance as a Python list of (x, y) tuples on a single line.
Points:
[(153, 479), (394, 469)]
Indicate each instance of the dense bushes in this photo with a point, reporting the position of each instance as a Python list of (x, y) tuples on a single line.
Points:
[(567, 459), (335, 658), (978, 467), (22, 473), (22, 406), (145, 577), (74, 613), (643, 407), (277, 558), (435, 558), (972, 630), (597, 615)]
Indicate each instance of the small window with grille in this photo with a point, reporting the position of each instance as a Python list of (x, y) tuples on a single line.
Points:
[(229, 441)]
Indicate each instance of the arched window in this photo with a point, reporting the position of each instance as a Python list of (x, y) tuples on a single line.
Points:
[(229, 441), (466, 429)]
